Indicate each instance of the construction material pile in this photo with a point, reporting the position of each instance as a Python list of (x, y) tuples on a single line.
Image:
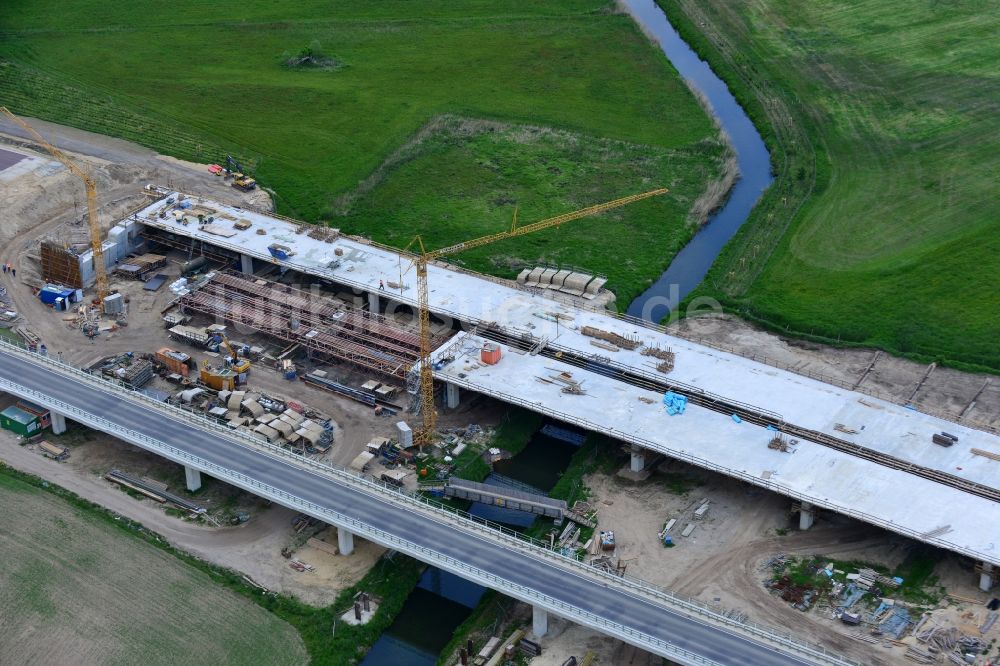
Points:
[(129, 368), (614, 338), (138, 268), (666, 357), (674, 403)]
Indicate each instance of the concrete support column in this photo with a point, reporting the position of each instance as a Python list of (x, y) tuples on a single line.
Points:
[(345, 541), (373, 302), (451, 396), (193, 478), (58, 423), (807, 514), (638, 459), (986, 578), (246, 264), (539, 621)]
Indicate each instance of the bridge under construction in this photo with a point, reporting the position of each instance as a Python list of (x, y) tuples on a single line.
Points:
[(827, 447)]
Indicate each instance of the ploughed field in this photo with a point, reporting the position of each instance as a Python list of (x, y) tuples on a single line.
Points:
[(78, 589)]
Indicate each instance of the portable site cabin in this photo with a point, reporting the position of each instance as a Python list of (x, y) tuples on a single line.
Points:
[(19, 421), (58, 297), (44, 418)]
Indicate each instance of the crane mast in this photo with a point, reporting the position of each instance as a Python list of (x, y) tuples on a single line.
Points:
[(90, 187), (423, 259)]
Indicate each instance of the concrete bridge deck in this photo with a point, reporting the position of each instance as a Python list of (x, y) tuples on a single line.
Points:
[(956, 491)]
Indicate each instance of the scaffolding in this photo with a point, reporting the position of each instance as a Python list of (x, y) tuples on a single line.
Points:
[(60, 265), (321, 325)]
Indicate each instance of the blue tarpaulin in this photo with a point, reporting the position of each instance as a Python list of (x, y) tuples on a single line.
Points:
[(675, 403)]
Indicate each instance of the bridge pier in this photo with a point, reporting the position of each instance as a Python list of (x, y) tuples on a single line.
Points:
[(638, 462), (539, 621), (345, 541), (58, 423), (373, 302), (807, 515), (986, 577), (451, 396), (193, 478), (246, 264)]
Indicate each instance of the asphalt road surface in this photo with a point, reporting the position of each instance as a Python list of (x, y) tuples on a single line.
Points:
[(518, 567), (9, 158)]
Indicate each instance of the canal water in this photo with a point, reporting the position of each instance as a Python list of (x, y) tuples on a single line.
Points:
[(432, 612), (536, 469), (691, 264), (441, 600)]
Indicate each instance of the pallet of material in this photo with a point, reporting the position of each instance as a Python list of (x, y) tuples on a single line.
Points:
[(322, 545), (941, 440), (491, 646), (614, 338), (499, 655), (53, 451)]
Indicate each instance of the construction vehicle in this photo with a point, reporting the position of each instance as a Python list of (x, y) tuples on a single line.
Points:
[(240, 179), (421, 257), (100, 270), (244, 183), (236, 362)]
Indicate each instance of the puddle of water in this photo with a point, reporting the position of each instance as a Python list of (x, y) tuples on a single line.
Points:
[(691, 264)]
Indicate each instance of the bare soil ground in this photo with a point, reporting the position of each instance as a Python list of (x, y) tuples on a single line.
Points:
[(75, 590), (721, 562)]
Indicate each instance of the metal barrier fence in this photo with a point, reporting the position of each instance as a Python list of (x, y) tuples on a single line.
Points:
[(429, 508)]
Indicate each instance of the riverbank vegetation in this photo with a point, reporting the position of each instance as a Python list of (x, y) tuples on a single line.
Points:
[(880, 228), (317, 101)]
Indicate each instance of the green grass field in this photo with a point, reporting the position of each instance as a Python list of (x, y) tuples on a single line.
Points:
[(466, 177), (882, 227), (76, 588), (197, 80)]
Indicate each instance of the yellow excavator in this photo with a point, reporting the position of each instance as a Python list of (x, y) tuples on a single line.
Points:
[(240, 365)]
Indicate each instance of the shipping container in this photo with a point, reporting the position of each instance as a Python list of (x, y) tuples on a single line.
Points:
[(175, 361)]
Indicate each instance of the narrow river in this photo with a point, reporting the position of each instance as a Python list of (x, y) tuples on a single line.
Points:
[(692, 263), (442, 601)]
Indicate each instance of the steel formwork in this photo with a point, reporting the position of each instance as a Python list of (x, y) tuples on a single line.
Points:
[(319, 324)]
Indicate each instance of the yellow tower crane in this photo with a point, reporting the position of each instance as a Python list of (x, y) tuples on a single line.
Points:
[(88, 183), (423, 257)]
